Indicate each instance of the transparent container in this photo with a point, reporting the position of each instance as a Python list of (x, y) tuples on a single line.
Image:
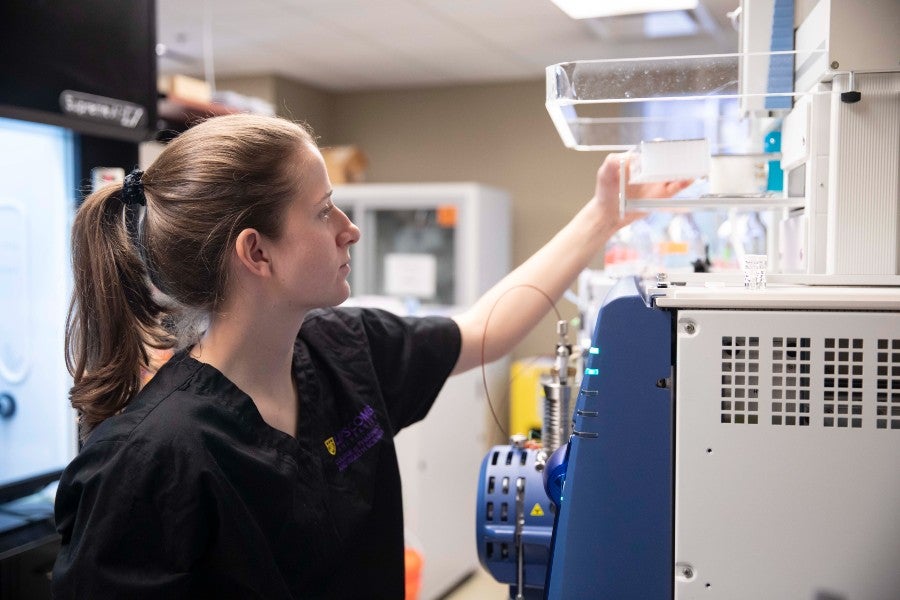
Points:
[(614, 105), (662, 107)]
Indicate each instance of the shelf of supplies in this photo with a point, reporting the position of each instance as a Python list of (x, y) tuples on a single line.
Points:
[(173, 108), (178, 114)]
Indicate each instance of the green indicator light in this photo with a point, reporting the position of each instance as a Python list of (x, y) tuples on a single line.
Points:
[(592, 371), (594, 350)]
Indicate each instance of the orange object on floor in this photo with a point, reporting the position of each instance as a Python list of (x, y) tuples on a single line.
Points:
[(413, 560)]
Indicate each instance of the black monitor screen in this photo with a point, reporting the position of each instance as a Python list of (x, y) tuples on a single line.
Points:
[(88, 65)]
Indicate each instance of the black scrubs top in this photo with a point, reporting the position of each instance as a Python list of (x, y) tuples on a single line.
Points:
[(189, 494)]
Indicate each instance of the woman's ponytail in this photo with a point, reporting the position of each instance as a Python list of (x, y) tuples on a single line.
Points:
[(113, 318)]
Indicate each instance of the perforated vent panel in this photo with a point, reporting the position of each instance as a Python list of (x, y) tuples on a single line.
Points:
[(809, 381), (888, 384), (805, 466), (740, 380), (843, 395), (790, 381)]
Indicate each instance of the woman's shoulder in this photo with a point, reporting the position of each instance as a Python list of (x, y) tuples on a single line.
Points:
[(127, 452), (161, 439), (167, 409), (143, 437), (150, 452)]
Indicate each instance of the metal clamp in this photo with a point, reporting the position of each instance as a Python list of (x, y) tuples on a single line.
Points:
[(520, 546)]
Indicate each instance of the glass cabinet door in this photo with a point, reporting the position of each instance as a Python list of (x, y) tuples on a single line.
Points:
[(413, 253)]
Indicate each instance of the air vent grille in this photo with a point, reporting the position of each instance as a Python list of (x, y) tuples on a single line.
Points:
[(790, 381), (887, 407), (843, 382), (825, 381), (740, 380)]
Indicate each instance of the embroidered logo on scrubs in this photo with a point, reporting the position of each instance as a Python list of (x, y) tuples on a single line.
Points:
[(354, 440)]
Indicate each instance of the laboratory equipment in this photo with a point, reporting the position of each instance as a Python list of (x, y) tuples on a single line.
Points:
[(718, 432), (514, 515), (70, 100), (37, 425), (730, 442), (65, 107)]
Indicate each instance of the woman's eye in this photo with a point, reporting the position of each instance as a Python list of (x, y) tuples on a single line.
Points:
[(326, 212)]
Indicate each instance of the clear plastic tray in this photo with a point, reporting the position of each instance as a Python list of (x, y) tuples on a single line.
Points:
[(729, 100), (613, 105)]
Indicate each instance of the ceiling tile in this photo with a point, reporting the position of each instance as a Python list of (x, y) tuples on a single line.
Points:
[(355, 44)]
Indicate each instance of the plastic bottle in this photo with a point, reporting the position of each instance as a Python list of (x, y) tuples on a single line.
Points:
[(686, 242), (753, 236), (774, 174)]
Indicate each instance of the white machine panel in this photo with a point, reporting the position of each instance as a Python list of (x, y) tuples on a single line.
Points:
[(787, 448), (37, 425)]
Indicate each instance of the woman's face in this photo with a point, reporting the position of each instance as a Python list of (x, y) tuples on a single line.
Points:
[(311, 260)]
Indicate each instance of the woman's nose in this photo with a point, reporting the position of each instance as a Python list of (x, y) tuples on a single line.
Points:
[(350, 234), (355, 233)]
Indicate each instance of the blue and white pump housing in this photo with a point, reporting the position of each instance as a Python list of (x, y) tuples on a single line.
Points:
[(515, 513)]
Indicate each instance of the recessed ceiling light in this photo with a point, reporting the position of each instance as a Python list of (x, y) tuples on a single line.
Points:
[(670, 24), (590, 9)]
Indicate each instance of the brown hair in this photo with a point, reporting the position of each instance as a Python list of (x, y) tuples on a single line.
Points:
[(222, 176)]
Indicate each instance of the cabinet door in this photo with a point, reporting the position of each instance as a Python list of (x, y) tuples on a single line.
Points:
[(413, 253)]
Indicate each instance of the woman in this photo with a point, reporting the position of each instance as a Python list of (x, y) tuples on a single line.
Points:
[(258, 462)]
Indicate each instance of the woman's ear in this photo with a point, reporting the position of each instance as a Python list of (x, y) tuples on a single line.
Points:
[(252, 252)]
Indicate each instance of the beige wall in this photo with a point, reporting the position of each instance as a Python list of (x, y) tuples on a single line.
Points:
[(302, 103), (499, 135), (261, 86), (291, 99)]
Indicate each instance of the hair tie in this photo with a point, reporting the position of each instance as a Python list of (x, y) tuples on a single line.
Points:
[(133, 189), (135, 214), (134, 209)]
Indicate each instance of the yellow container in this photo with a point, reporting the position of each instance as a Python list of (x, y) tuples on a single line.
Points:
[(526, 395)]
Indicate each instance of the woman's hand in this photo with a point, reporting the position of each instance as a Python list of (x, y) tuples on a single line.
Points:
[(606, 194)]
